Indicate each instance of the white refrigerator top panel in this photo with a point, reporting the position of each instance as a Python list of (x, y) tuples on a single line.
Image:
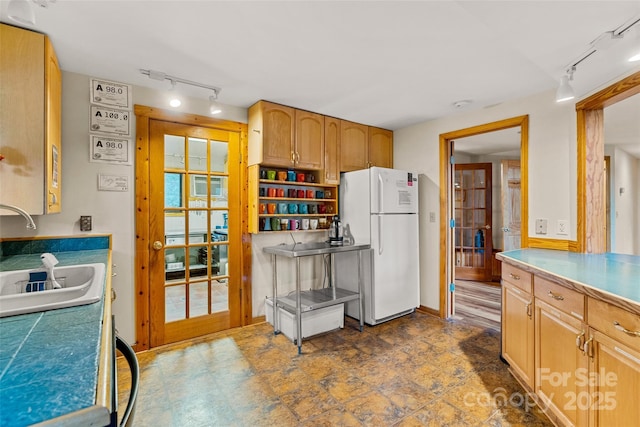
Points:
[(393, 191)]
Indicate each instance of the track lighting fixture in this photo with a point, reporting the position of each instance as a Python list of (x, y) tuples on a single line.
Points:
[(174, 100), (565, 91), (214, 106), (21, 11)]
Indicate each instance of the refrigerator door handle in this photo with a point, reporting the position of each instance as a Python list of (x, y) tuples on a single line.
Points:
[(380, 192), (380, 241)]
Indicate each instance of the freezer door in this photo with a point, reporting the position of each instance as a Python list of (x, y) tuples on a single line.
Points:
[(396, 282), (393, 191)]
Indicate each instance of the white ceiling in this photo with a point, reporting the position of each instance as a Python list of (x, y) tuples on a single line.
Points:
[(383, 63)]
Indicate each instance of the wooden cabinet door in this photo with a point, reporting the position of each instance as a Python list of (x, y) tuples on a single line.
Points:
[(53, 120), (614, 373), (278, 123), (331, 151), (22, 112), (380, 147), (518, 332), (309, 140), (560, 363), (354, 144)]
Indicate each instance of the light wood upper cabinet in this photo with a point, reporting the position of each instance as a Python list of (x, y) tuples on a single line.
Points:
[(365, 146), (271, 134), (282, 136), (53, 126), (380, 147), (308, 145), (354, 145), (331, 151), (30, 113)]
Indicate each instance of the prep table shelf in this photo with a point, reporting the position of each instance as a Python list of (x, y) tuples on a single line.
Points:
[(298, 301), (317, 298)]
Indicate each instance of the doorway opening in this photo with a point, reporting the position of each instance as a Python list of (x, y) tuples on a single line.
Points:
[(467, 230)]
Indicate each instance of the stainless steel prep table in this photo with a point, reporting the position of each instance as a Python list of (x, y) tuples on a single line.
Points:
[(314, 298)]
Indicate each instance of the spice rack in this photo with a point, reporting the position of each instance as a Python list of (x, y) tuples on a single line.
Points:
[(280, 204)]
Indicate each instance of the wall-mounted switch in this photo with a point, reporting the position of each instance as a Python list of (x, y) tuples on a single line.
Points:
[(85, 223), (541, 226), (432, 217)]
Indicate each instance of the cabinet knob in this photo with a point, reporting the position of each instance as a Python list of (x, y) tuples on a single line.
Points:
[(157, 245)]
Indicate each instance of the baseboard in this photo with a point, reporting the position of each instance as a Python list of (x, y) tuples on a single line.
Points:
[(258, 319), (427, 310)]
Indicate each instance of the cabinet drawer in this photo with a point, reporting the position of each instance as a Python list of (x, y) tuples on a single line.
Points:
[(610, 320), (516, 276), (556, 295)]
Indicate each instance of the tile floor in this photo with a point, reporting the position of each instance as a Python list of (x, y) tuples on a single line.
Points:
[(414, 371)]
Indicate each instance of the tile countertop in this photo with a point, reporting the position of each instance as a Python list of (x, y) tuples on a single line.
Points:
[(49, 360), (611, 277)]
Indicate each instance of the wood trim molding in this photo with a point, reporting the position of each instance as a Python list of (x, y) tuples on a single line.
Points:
[(445, 138), (608, 96), (141, 275), (590, 152), (557, 244)]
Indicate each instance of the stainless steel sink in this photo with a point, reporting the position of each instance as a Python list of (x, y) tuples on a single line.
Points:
[(81, 284)]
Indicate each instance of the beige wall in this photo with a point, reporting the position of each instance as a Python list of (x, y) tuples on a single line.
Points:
[(552, 171)]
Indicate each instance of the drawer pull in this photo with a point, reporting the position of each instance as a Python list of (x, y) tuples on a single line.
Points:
[(514, 276), (621, 328), (557, 297)]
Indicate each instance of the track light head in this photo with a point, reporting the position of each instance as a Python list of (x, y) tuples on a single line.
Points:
[(565, 91)]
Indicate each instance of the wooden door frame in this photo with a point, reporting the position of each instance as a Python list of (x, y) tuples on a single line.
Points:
[(446, 139), (144, 115), (591, 204)]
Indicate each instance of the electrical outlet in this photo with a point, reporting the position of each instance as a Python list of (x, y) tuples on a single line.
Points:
[(563, 227), (541, 226)]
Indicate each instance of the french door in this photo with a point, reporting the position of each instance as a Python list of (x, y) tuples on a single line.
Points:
[(194, 231), (472, 234)]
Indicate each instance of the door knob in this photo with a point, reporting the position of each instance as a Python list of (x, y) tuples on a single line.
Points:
[(157, 245), (488, 227)]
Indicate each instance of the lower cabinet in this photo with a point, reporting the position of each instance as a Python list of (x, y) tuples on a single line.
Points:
[(561, 364), (613, 348), (583, 364), (517, 325)]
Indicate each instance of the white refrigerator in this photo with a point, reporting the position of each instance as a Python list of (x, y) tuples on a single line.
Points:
[(379, 206)]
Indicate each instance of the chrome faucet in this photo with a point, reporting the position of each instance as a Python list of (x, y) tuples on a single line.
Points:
[(30, 224)]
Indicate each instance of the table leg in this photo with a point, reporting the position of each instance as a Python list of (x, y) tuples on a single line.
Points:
[(276, 326), (298, 307), (332, 273), (360, 294)]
